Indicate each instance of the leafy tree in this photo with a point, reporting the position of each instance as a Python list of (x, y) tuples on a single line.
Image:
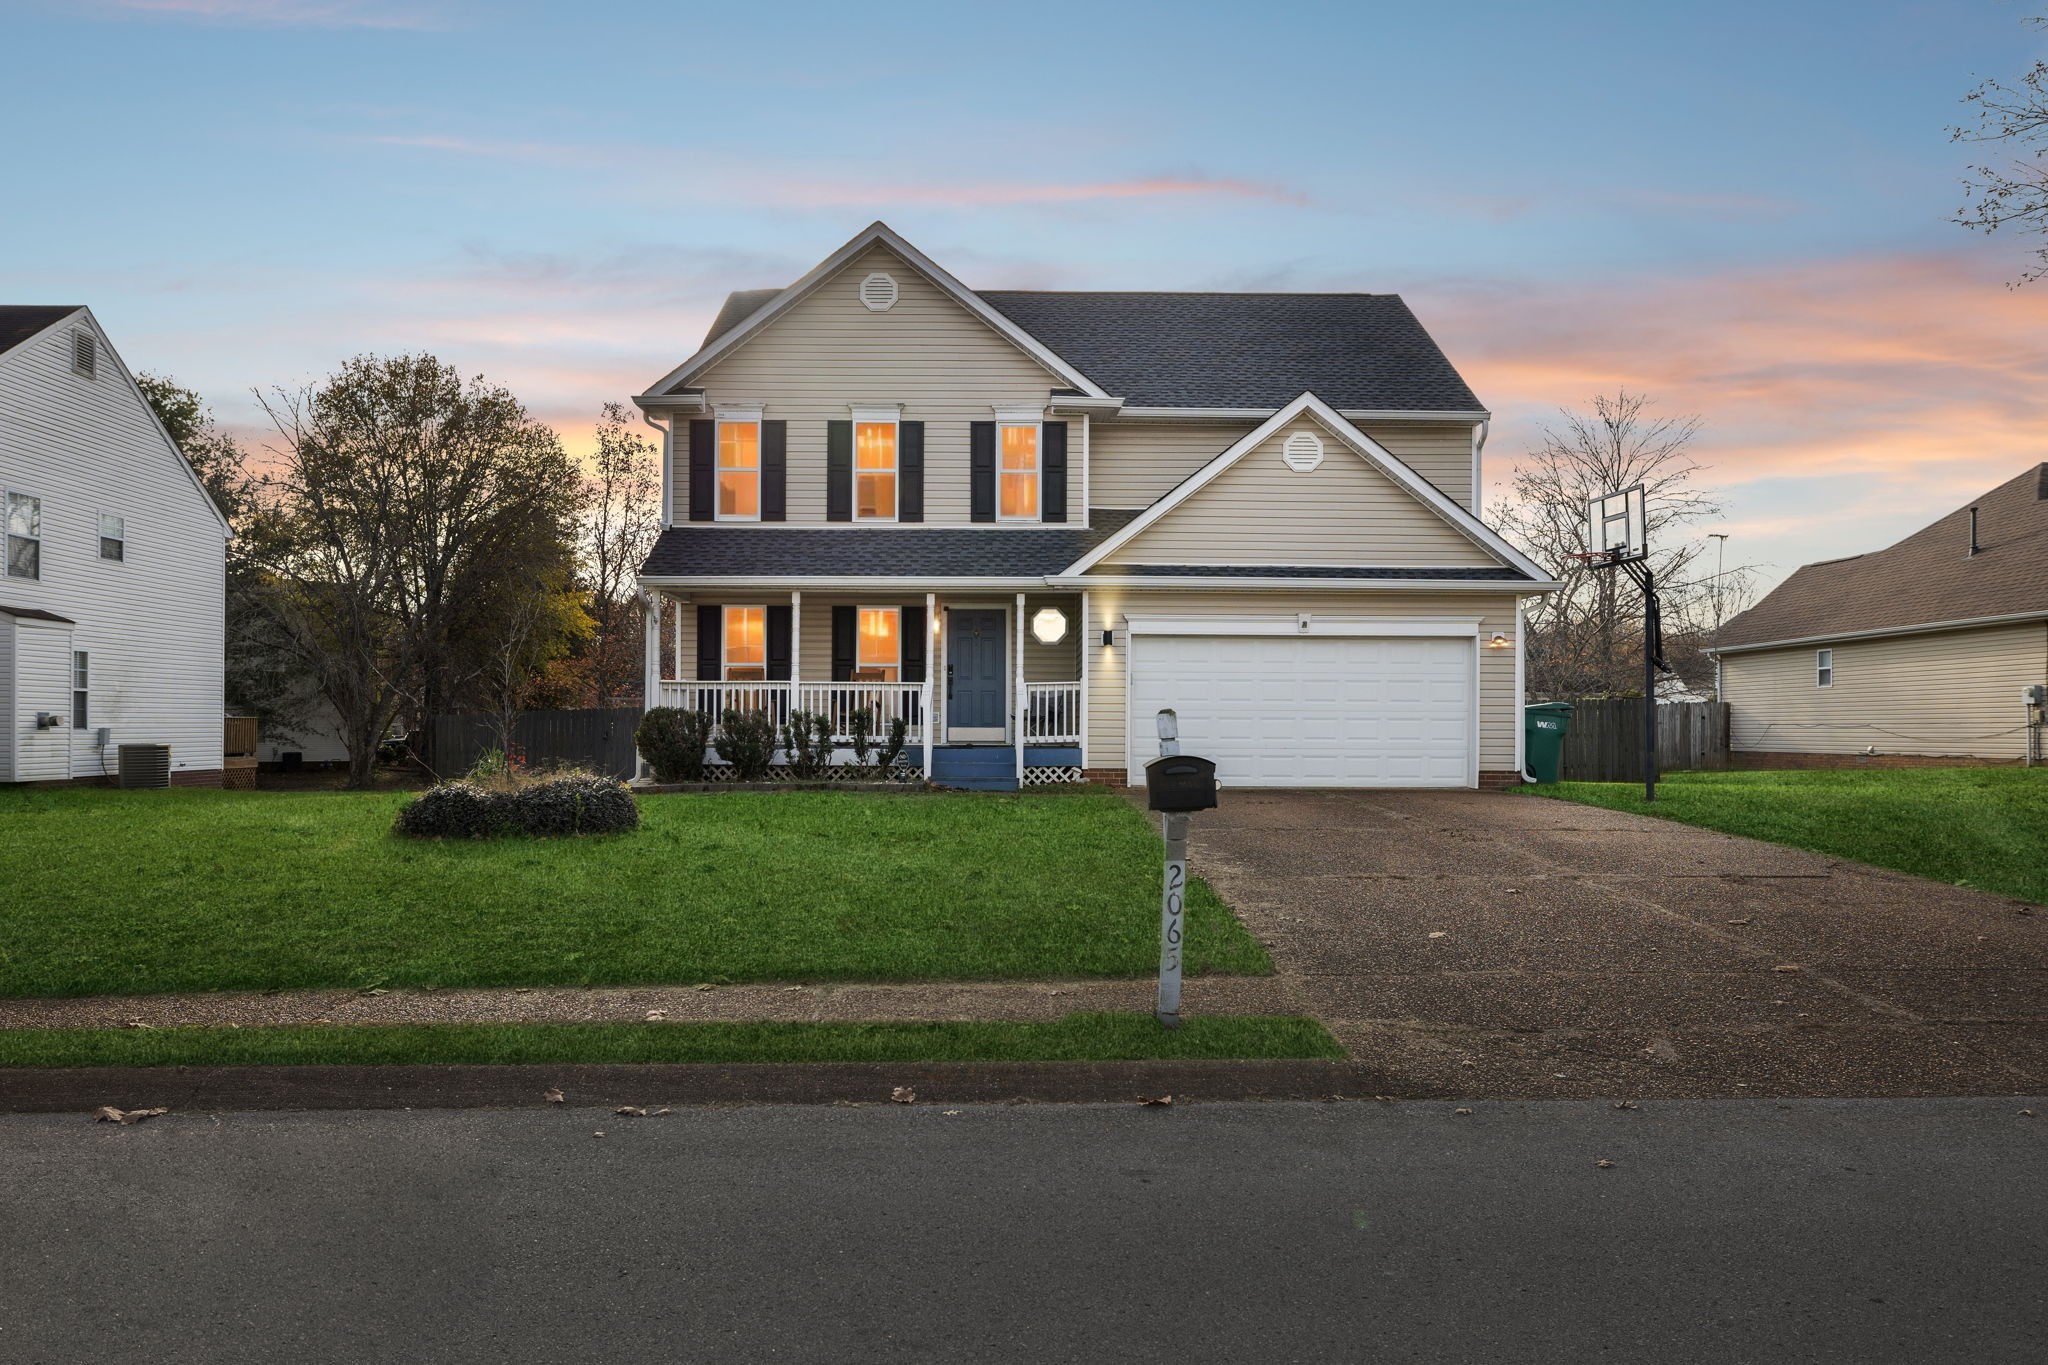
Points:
[(215, 456), (622, 516), (2014, 193)]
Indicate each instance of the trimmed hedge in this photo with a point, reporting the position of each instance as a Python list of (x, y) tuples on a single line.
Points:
[(575, 803)]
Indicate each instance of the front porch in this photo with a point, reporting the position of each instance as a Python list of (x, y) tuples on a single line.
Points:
[(990, 687)]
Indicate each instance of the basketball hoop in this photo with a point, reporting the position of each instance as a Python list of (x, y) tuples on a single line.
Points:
[(1618, 537)]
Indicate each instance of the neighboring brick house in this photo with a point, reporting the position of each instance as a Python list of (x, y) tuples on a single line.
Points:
[(113, 593), (1921, 652), (1026, 521)]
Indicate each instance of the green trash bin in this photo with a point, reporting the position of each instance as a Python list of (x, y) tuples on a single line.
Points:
[(1543, 730)]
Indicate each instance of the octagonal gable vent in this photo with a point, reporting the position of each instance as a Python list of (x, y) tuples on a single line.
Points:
[(1303, 451), (878, 292)]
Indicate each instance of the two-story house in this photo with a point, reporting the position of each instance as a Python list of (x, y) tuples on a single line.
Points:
[(1026, 522), (113, 589)]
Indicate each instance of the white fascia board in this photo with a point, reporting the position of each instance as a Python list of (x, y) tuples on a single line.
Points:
[(1363, 445), (1440, 627), (877, 233), (1196, 414), (692, 401), (839, 582), (1069, 402), (1210, 583), (1926, 628)]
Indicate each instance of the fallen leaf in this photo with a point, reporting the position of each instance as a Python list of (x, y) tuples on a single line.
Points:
[(1787, 967), (598, 1133), (1438, 933), (1744, 920), (653, 1015), (2026, 1113), (376, 990), (109, 1114), (659, 1112), (1461, 1111), (1604, 1164), (552, 1096), (631, 1111), (952, 1113), (792, 988), (1514, 891), (1155, 1101), (707, 986), (903, 1094), (1466, 1061), (1624, 1104)]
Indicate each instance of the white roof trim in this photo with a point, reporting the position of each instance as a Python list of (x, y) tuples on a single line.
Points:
[(1879, 632), (1193, 414), (1367, 448), (1171, 582), (876, 233)]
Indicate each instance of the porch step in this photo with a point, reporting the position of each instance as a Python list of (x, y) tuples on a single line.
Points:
[(976, 769)]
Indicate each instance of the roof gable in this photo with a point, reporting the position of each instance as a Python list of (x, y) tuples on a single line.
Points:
[(1350, 443), (1928, 578)]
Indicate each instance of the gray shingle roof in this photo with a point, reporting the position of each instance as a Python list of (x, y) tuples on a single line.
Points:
[(1928, 577), (702, 549), (20, 321), (1244, 350), (1224, 350), (1460, 575)]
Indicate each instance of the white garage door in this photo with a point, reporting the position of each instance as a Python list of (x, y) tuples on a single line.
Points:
[(1309, 711)]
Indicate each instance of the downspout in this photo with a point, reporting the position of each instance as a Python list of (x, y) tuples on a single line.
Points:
[(1521, 695), (667, 481), (1479, 434)]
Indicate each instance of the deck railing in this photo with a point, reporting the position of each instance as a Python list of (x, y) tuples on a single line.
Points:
[(834, 700), (1052, 713)]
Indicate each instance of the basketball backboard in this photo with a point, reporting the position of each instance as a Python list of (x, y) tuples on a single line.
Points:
[(1616, 530)]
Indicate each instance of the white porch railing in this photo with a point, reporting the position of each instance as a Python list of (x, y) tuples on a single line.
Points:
[(1052, 713), (835, 700)]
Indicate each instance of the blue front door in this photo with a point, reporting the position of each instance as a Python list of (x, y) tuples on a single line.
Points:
[(974, 674)]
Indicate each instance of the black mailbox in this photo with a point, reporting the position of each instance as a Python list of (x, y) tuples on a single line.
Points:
[(1180, 782)]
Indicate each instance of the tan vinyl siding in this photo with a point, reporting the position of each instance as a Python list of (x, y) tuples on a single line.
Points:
[(1109, 607), (1948, 693), (1133, 464), (829, 352), (1345, 511)]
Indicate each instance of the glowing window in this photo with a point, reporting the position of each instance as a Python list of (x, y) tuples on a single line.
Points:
[(739, 471), (874, 471), (1017, 473), (746, 644), (880, 657)]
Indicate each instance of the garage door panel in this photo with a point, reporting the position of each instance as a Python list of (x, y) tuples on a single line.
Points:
[(1331, 711)]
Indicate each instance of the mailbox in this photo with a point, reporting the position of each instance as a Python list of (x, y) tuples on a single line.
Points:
[(1180, 782)]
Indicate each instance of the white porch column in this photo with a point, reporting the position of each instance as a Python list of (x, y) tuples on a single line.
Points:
[(931, 668), (796, 645), (651, 654), (1087, 649), (1018, 707), (676, 653)]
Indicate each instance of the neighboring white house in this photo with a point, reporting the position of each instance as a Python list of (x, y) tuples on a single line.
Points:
[(113, 574)]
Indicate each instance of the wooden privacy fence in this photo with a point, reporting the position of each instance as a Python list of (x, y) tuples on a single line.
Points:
[(1605, 742), (601, 741)]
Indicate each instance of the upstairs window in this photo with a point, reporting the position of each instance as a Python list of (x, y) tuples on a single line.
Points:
[(24, 536), (113, 537), (746, 644), (880, 657), (81, 683), (739, 470), (1017, 472), (874, 471), (1823, 668), (85, 354)]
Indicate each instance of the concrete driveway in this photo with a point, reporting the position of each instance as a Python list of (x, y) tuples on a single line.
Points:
[(1473, 943)]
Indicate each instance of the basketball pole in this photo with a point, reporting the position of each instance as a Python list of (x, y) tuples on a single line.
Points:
[(1653, 659)]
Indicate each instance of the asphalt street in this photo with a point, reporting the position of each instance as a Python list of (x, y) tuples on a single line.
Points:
[(1753, 1230)]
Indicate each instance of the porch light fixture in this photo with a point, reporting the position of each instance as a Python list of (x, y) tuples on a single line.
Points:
[(1109, 639), (1049, 626), (1499, 641)]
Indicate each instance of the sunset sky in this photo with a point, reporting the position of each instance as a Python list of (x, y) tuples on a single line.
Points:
[(1740, 209)]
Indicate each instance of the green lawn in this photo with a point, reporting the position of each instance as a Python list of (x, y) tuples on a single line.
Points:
[(1982, 827), (187, 890), (1078, 1037)]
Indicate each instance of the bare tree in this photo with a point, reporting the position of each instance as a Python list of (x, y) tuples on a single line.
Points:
[(2014, 193), (1586, 638), (622, 515)]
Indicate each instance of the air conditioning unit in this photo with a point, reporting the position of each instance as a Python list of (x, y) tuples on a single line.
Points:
[(145, 765)]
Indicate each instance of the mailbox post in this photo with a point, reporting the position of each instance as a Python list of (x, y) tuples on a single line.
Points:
[(1176, 785)]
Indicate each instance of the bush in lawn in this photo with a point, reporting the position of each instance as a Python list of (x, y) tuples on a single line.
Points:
[(575, 803), (674, 741), (860, 726), (807, 741), (457, 810), (746, 739)]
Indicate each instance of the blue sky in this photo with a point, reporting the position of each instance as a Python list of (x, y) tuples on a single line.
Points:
[(1740, 208)]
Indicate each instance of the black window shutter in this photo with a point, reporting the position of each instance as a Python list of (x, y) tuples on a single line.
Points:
[(838, 472), (910, 471), (914, 641), (778, 644), (1052, 492), (703, 469), (842, 643), (774, 471), (981, 464), (710, 642)]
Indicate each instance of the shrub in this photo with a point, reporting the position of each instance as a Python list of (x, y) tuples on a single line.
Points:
[(861, 725), (807, 741), (674, 742), (575, 803), (457, 810), (746, 739), (892, 748)]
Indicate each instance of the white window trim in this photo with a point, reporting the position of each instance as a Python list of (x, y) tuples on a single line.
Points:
[(734, 416), (100, 540), (891, 417), (1820, 668), (7, 497), (858, 662), (1037, 424), (76, 690), (725, 641)]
